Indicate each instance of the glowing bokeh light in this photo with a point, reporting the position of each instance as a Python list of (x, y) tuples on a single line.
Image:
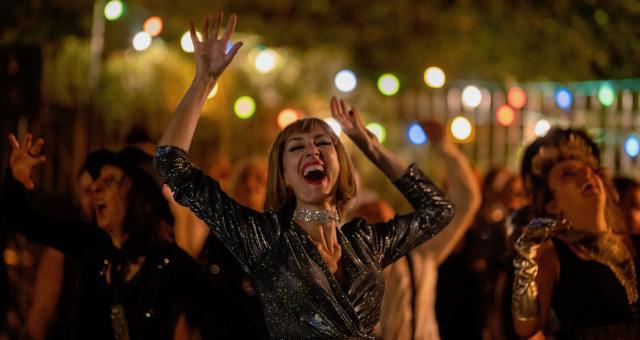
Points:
[(113, 9), (214, 91), (606, 95), (141, 41), (266, 60), (505, 115), (186, 43), (388, 84), (378, 130), (471, 96), (153, 25), (632, 145), (346, 81), (416, 134), (335, 126), (516, 97), (244, 107), (287, 116), (434, 77), (542, 127), (461, 128), (564, 98)]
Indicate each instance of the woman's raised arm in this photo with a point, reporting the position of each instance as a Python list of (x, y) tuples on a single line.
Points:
[(211, 60)]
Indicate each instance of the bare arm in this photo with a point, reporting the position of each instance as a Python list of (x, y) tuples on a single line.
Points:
[(351, 122), (464, 192), (211, 61)]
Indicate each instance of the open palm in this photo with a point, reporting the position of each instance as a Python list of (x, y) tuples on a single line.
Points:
[(351, 123), (24, 157), (211, 53)]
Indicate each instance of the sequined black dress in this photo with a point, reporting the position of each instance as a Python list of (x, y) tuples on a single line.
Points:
[(300, 296)]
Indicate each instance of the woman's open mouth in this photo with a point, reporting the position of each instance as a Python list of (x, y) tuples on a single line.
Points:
[(314, 173)]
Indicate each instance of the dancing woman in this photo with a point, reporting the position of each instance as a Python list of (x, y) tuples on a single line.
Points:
[(569, 257), (315, 278), (132, 281)]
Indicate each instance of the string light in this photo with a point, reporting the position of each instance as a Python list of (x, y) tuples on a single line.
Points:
[(471, 96), (416, 134), (141, 41), (113, 10), (244, 107), (214, 91), (388, 84), (541, 128), (516, 97), (346, 81), (286, 117), (564, 98), (632, 145), (505, 115), (335, 126), (606, 95), (378, 130), (434, 77), (186, 43), (266, 60), (461, 128), (153, 25)]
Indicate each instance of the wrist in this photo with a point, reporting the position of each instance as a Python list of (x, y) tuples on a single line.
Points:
[(205, 82)]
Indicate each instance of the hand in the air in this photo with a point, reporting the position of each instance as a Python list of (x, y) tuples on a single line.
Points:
[(24, 157)]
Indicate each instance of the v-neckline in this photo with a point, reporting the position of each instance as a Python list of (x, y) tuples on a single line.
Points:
[(343, 287)]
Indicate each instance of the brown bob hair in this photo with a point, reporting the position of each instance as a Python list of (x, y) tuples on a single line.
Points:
[(280, 197)]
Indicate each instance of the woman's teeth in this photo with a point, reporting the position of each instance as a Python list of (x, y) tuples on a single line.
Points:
[(314, 167)]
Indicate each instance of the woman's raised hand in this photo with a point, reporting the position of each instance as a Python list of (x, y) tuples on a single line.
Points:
[(25, 156), (211, 53), (351, 123)]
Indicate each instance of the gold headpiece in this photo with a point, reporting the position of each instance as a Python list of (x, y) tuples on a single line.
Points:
[(571, 147)]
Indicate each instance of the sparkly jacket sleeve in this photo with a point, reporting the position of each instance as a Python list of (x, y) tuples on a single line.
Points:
[(246, 232), (391, 240)]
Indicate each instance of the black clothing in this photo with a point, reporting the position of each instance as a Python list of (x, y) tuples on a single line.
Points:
[(247, 321), (151, 299), (301, 297), (588, 294)]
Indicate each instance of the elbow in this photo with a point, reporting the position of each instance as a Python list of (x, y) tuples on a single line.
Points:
[(449, 212)]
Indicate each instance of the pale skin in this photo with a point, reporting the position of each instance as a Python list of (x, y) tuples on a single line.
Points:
[(579, 196), (211, 61)]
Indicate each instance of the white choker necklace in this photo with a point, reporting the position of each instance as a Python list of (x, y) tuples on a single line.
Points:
[(318, 216)]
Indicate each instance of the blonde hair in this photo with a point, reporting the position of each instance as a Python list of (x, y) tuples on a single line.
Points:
[(280, 198)]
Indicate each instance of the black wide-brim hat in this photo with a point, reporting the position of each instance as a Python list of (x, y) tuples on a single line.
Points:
[(138, 165)]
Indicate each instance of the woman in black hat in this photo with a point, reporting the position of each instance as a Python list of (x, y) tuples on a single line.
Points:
[(133, 281), (571, 256)]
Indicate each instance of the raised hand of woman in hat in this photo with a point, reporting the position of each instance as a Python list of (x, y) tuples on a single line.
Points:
[(352, 125), (212, 59), (25, 155)]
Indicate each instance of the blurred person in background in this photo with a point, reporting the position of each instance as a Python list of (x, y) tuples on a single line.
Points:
[(408, 307), (133, 281), (247, 186), (55, 286), (629, 192), (573, 256), (476, 272)]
